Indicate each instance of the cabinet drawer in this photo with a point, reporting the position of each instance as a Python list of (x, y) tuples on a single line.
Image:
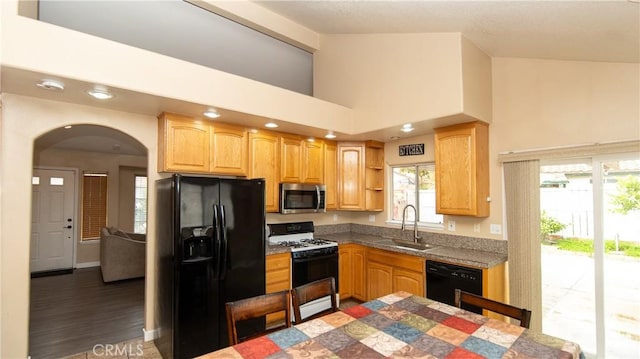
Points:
[(278, 261), (398, 260), (276, 276), (276, 287)]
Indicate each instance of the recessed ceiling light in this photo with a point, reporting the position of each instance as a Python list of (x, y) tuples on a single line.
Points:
[(67, 127), (330, 135), (100, 93), (407, 127), (393, 138), (51, 85), (271, 125), (211, 113)]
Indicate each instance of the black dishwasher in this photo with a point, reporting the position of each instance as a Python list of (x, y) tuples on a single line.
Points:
[(444, 278)]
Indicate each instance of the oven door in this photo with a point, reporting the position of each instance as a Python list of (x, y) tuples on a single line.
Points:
[(307, 270)]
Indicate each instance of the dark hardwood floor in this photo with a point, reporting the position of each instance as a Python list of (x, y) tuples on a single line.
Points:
[(71, 313)]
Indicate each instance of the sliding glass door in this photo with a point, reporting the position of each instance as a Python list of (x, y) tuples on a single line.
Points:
[(590, 225)]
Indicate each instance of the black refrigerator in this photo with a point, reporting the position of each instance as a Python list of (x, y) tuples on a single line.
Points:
[(211, 245)]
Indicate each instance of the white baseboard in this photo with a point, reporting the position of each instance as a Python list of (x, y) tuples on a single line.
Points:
[(88, 264), (150, 335)]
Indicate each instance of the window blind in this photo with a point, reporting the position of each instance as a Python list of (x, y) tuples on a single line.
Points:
[(94, 204)]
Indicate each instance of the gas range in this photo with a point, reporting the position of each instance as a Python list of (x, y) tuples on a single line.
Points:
[(298, 236), (311, 258)]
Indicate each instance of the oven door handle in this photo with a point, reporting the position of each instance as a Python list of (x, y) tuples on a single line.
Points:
[(314, 258), (317, 198)]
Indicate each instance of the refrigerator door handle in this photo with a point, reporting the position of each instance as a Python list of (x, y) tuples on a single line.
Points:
[(216, 241), (225, 244)]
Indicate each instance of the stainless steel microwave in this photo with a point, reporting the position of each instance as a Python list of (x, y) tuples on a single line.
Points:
[(302, 198)]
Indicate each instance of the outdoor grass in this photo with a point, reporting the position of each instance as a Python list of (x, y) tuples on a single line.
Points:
[(631, 249)]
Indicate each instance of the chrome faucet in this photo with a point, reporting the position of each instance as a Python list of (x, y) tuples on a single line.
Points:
[(415, 221)]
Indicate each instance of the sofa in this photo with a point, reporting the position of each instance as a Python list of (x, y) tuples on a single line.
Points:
[(122, 254)]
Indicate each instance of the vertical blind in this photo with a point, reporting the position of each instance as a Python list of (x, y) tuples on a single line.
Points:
[(522, 199), (94, 204)]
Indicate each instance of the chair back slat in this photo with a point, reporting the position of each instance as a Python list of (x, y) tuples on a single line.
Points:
[(521, 314), (256, 307), (309, 292)]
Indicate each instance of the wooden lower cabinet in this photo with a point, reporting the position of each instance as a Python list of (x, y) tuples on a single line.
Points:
[(352, 281), (278, 277), (408, 281), (380, 279), (389, 272)]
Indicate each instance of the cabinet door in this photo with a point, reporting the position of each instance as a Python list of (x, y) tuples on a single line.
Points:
[(408, 281), (313, 162), (358, 270), (345, 271), (264, 158), (278, 274), (229, 150), (183, 144), (290, 159), (330, 175), (380, 280), (462, 169), (350, 177)]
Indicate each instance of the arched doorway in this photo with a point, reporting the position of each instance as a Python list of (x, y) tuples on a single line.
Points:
[(73, 312)]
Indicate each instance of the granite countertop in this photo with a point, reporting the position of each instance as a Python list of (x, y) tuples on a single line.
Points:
[(461, 256)]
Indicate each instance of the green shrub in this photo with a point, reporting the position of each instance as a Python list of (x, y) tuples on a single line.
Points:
[(549, 225)]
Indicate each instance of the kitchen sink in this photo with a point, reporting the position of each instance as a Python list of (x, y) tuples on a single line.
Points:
[(411, 244)]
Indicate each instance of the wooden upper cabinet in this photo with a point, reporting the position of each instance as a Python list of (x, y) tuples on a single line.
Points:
[(312, 162), (228, 150), (331, 174), (192, 145), (290, 158), (350, 176), (183, 144), (301, 161), (462, 169), (264, 159), (361, 176)]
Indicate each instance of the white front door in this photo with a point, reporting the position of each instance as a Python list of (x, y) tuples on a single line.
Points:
[(52, 220)]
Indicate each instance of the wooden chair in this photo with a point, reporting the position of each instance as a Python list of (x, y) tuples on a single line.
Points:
[(256, 307), (312, 291), (523, 315)]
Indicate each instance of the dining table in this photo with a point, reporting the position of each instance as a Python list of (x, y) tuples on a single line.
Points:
[(402, 325)]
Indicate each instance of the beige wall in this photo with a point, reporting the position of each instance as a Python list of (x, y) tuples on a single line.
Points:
[(23, 120), (75, 55), (541, 104), (392, 79), (89, 251), (476, 85), (545, 103)]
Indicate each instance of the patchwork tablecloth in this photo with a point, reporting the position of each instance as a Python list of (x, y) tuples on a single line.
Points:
[(402, 325)]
